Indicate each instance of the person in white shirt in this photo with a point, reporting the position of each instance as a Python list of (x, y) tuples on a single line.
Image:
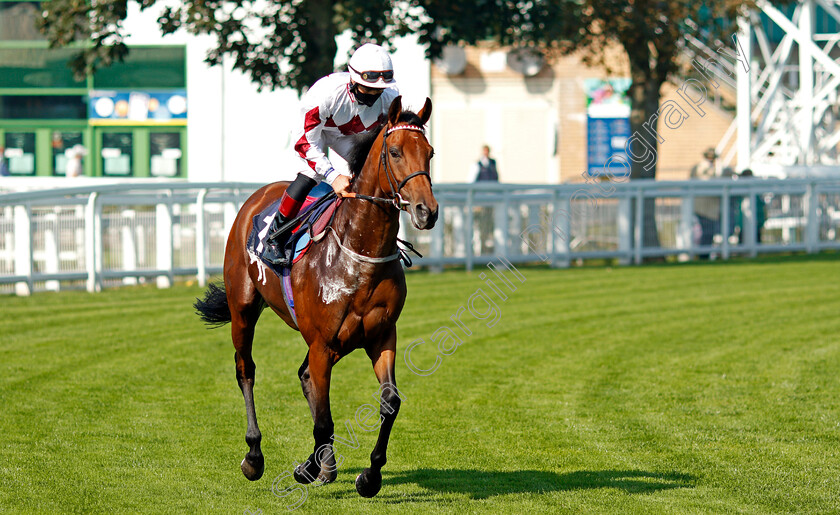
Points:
[(336, 111), (74, 160)]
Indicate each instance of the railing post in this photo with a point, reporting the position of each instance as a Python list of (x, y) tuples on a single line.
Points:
[(786, 230), (516, 221), (93, 243), (561, 231), (724, 222), (438, 234), (129, 248), (9, 240), (51, 249), (812, 221), (469, 230), (638, 229), (23, 248), (229, 212), (200, 239), (685, 236), (501, 230), (625, 235), (163, 240), (749, 208)]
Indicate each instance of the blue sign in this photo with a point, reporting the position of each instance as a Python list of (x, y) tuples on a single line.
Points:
[(137, 108), (606, 138)]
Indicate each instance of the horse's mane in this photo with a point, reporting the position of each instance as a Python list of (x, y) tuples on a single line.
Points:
[(359, 154)]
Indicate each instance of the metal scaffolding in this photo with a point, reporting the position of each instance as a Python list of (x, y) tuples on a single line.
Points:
[(787, 101)]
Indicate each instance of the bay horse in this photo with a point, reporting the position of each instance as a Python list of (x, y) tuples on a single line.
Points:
[(349, 289)]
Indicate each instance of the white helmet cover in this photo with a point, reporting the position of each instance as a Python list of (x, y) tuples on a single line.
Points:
[(371, 66)]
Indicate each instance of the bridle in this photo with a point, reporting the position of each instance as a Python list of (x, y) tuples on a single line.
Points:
[(395, 199)]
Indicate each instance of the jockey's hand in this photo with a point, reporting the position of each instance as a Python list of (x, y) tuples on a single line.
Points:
[(341, 185)]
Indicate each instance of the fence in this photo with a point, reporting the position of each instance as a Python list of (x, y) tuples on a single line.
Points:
[(101, 236)]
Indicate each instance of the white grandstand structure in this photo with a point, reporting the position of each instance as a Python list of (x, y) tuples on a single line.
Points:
[(787, 98)]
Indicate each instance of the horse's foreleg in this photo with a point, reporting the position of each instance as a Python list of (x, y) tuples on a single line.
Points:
[(314, 376), (242, 331), (382, 355)]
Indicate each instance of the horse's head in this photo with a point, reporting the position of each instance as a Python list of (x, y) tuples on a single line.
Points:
[(405, 158)]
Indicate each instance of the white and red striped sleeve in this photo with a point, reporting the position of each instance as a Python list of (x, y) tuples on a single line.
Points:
[(309, 143)]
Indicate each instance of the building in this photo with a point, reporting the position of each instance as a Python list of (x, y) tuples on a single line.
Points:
[(163, 113)]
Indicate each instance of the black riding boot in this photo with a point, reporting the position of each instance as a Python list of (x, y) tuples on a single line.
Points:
[(290, 204), (274, 252)]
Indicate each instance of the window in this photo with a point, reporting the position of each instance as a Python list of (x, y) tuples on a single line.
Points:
[(43, 107), (165, 152), (20, 152), (37, 68), (146, 68), (117, 152), (17, 21)]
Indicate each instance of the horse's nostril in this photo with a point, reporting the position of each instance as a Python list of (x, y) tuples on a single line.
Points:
[(423, 212)]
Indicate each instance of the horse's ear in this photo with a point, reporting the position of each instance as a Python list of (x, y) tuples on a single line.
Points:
[(395, 110), (426, 112)]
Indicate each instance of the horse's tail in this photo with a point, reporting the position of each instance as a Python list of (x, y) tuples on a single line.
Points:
[(214, 308)]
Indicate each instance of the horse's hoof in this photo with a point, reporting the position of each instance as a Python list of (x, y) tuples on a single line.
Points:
[(253, 469), (368, 483), (327, 476), (310, 473)]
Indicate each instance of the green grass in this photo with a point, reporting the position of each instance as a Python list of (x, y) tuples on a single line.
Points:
[(702, 388)]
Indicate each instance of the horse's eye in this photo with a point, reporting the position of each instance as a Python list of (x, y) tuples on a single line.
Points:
[(395, 152), (432, 154)]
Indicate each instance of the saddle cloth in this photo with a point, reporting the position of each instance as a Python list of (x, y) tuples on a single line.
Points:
[(300, 238)]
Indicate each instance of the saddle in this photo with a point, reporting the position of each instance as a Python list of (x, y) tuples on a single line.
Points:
[(314, 220)]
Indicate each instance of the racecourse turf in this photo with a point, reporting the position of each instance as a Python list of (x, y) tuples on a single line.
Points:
[(693, 388)]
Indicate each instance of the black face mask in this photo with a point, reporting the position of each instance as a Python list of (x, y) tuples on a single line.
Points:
[(367, 99)]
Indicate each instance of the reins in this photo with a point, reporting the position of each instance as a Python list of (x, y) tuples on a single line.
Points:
[(396, 201)]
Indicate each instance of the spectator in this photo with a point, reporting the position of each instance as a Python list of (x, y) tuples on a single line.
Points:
[(707, 209), (74, 160), (734, 202), (485, 167), (706, 169), (760, 216)]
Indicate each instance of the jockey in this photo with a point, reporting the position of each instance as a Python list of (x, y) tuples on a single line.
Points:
[(336, 111)]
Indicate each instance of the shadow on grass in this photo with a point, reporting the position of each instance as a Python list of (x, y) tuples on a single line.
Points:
[(480, 484)]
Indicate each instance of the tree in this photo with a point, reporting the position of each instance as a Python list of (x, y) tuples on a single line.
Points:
[(650, 33), (280, 43), (292, 43)]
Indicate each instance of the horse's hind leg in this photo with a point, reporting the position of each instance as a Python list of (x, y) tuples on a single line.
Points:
[(381, 355), (243, 320)]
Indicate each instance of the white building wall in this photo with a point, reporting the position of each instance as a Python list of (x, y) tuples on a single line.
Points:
[(517, 119)]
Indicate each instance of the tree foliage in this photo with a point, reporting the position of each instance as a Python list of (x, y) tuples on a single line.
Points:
[(291, 43), (281, 43)]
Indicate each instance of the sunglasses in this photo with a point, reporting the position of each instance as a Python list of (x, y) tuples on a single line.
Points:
[(375, 76)]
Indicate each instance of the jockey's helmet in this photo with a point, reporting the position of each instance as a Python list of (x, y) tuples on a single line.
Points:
[(371, 66)]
